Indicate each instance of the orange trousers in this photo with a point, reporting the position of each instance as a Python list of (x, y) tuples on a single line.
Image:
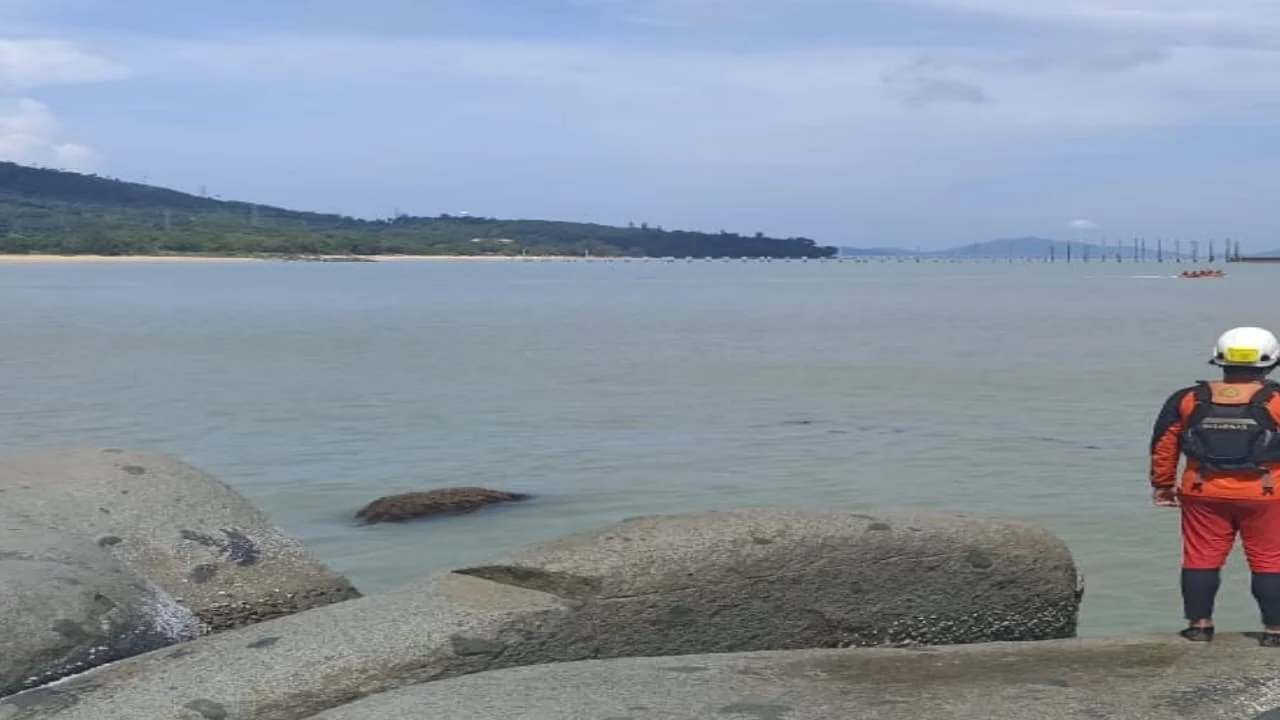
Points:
[(1209, 529)]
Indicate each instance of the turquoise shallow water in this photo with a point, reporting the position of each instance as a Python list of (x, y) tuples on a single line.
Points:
[(619, 389)]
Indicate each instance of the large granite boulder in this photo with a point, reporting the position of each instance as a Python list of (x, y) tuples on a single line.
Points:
[(294, 666), (769, 580), (181, 529), (1127, 679), (705, 582), (67, 606)]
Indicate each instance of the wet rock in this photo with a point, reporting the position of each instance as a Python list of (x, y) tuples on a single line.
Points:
[(67, 606), (177, 527), (444, 501)]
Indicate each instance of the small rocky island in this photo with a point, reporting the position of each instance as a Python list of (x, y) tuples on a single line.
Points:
[(433, 503), (139, 588)]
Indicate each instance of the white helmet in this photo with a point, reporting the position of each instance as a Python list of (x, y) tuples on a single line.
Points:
[(1246, 347)]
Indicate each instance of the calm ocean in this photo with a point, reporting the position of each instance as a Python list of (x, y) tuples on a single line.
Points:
[(620, 389)]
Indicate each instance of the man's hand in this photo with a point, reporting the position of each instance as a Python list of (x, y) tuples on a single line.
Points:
[(1164, 497)]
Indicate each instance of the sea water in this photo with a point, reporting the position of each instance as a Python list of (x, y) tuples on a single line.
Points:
[(615, 389)]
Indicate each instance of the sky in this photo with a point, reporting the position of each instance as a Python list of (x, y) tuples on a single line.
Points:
[(918, 123)]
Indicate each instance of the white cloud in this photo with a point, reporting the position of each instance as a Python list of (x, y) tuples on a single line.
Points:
[(688, 13), (31, 63), (30, 134), (1194, 16), (29, 131), (893, 89), (677, 115), (1082, 224), (1103, 89), (853, 117)]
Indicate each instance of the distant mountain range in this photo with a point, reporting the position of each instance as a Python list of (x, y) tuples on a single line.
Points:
[(1037, 247)]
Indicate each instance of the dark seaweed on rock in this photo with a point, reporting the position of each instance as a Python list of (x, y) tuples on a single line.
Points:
[(444, 501)]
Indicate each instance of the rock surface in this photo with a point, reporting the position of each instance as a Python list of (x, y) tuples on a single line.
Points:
[(430, 503), (298, 665), (67, 606), (707, 582), (1137, 679), (743, 580), (181, 529)]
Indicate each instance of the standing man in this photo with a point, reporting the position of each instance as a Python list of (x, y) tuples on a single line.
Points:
[(1228, 432)]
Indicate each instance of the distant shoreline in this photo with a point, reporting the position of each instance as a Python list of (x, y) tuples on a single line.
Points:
[(44, 259)]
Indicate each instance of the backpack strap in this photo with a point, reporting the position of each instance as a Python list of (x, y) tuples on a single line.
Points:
[(1263, 414), (1203, 395), (1269, 388), (1259, 404)]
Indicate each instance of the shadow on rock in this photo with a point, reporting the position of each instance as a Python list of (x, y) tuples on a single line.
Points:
[(432, 503)]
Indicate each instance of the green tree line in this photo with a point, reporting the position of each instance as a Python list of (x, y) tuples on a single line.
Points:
[(51, 211)]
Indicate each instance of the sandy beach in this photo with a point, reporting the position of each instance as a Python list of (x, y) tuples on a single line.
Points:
[(83, 259), (80, 259), (481, 258)]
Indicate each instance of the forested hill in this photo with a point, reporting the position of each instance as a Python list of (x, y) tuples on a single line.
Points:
[(69, 213)]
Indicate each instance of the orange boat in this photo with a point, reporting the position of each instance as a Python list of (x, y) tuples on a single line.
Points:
[(1202, 274)]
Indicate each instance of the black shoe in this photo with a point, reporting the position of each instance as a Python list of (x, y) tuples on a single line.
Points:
[(1204, 634), (1269, 639)]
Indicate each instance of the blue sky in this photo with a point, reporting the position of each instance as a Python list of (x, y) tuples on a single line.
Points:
[(860, 122)]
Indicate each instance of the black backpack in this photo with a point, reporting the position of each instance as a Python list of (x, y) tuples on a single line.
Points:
[(1222, 437)]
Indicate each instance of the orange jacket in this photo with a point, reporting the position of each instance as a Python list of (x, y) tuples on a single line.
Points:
[(1166, 450)]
